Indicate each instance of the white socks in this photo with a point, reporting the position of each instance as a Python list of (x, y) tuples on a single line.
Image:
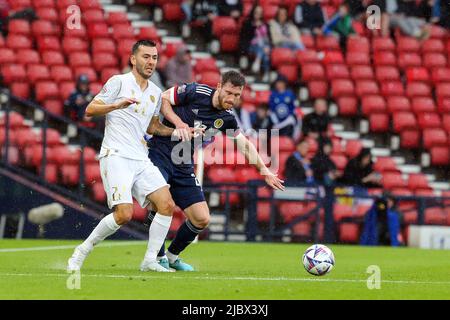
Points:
[(171, 257), (156, 235), (104, 229)]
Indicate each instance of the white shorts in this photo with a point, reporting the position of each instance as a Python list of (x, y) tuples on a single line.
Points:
[(125, 179)]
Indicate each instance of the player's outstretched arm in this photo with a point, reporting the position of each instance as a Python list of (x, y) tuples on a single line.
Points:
[(99, 108), (251, 154), (167, 111)]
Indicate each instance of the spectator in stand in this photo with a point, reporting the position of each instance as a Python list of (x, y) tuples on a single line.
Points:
[(230, 8), (309, 17), (382, 224), (255, 40), (242, 117), (282, 109), (186, 7), (260, 118), (77, 102), (315, 124), (404, 14), (179, 68), (359, 171), (284, 33), (6, 14), (340, 25), (298, 167), (203, 14), (323, 167)]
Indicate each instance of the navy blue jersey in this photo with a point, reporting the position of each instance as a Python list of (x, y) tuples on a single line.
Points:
[(193, 104)]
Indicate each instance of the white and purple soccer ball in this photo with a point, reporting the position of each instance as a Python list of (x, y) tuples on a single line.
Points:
[(318, 260)]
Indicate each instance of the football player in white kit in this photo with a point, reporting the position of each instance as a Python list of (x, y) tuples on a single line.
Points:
[(131, 104)]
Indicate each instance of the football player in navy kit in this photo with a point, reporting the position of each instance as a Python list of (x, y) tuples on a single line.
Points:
[(210, 108)]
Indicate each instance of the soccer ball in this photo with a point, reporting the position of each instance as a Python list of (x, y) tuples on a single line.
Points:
[(318, 260)]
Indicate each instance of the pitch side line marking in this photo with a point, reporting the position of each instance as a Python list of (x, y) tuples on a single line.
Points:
[(117, 244), (169, 277)]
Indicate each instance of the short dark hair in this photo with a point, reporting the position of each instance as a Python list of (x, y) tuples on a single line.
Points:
[(147, 43), (236, 78)]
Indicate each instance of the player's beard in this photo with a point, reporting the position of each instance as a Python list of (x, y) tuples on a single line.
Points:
[(141, 71), (221, 102)]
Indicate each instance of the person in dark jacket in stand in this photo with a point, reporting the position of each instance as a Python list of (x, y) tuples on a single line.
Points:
[(315, 124), (359, 171), (309, 17), (323, 167), (298, 167)]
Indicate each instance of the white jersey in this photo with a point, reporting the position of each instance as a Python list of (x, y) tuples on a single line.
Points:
[(125, 128)]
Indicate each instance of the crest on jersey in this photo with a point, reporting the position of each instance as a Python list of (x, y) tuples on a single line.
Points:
[(218, 123), (152, 98)]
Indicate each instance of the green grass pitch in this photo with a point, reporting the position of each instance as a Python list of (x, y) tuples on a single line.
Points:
[(35, 269)]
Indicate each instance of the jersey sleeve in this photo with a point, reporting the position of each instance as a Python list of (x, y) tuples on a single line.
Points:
[(158, 106), (182, 94), (110, 90)]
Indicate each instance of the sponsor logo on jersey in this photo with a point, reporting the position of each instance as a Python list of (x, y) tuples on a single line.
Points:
[(181, 89), (152, 98)]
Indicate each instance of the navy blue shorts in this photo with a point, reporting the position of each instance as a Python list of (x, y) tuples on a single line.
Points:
[(184, 186)]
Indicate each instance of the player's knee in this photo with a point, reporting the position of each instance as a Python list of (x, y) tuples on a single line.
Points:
[(166, 207), (124, 215), (202, 223)]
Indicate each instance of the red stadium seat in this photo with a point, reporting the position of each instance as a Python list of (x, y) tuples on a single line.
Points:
[(20, 89), (309, 42), (333, 57), (44, 28), (393, 180), (28, 56), (107, 73), (435, 216), (337, 71), (49, 14), (93, 16), (433, 45), (18, 42), (209, 78), (429, 120), (383, 44), (327, 43), (98, 30), (69, 174), (348, 106), (53, 58), (291, 210), (406, 60), (74, 32), (417, 181), (410, 139), (318, 89), (221, 174), (384, 58), (80, 59), (229, 42), (434, 137), (342, 88), (418, 89), (372, 104), (103, 45), (422, 104), (397, 103), (434, 60), (392, 88), (341, 211), (117, 17), (54, 105), (45, 90), (20, 4), (281, 56), (357, 58), (66, 88), (290, 72), (92, 173), (358, 44), (206, 64), (407, 44), (72, 44), (353, 148), (349, 232), (150, 33), (379, 122), (46, 43), (440, 156), (104, 60), (44, 3), (313, 71), (61, 73), (13, 73), (387, 73), (98, 192), (7, 56), (95, 87), (123, 31), (19, 26), (339, 160), (89, 4), (403, 120), (362, 73), (224, 25), (417, 74), (385, 164), (443, 90), (307, 56), (269, 11), (173, 12), (87, 71), (366, 87), (440, 75), (37, 72)]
